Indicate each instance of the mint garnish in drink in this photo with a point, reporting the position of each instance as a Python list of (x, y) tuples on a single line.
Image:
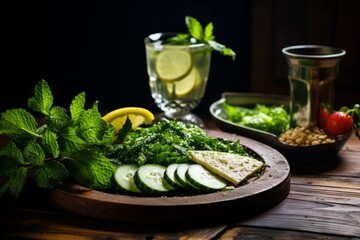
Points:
[(204, 35)]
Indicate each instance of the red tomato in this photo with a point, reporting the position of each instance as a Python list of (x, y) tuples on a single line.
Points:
[(323, 116), (338, 123)]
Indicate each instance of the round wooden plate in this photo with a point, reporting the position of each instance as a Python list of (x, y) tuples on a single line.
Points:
[(216, 208)]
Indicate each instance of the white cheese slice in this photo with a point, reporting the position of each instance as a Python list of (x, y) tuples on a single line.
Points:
[(233, 167)]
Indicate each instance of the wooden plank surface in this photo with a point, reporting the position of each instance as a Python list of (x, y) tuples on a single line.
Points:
[(321, 202), (321, 205)]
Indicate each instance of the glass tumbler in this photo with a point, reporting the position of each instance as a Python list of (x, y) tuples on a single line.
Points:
[(312, 70), (178, 75)]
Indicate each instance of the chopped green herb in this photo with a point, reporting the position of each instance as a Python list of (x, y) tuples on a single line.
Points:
[(168, 142)]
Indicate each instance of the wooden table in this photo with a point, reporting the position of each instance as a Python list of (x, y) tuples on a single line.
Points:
[(322, 204)]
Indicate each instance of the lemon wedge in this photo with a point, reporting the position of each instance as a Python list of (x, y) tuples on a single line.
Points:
[(137, 116), (186, 85), (173, 64)]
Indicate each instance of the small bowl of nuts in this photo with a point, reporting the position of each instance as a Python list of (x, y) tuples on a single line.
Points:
[(305, 137), (311, 141)]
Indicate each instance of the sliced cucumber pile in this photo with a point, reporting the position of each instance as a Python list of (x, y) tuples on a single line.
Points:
[(156, 180)]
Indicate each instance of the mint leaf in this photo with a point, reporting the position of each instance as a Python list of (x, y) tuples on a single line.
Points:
[(50, 143), (77, 106), (91, 168), (57, 119), (11, 156), (222, 49), (42, 99), (70, 142), (12, 166), (51, 174), (194, 28), (93, 129), (18, 124), (196, 31), (208, 35), (180, 39), (34, 153), (17, 181), (86, 137)]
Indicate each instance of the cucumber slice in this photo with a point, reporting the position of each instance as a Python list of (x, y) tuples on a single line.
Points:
[(205, 180), (169, 176), (124, 179), (181, 178), (149, 178)]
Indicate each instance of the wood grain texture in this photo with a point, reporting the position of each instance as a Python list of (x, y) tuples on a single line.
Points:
[(50, 224), (323, 201), (254, 233)]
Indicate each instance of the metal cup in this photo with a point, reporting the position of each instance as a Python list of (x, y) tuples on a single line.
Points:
[(312, 70)]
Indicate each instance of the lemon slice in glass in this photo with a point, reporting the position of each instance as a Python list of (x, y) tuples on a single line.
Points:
[(173, 64), (186, 85), (137, 116)]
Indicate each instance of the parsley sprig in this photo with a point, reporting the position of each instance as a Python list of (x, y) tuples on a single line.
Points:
[(65, 145), (204, 35)]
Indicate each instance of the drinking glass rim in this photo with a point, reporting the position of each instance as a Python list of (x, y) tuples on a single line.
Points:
[(158, 36), (319, 51)]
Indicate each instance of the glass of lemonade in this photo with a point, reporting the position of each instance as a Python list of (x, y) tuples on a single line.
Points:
[(178, 75)]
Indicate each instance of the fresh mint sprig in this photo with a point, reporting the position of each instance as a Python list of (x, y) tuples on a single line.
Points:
[(65, 145), (204, 35)]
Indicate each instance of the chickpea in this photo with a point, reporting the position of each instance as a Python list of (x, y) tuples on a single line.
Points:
[(301, 136)]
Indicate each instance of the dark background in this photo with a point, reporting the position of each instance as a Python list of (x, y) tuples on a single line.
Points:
[(98, 47)]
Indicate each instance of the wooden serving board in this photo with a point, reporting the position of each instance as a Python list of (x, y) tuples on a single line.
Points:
[(213, 208)]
